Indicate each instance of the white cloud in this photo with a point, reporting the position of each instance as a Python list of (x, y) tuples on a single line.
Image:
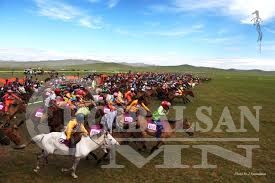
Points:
[(239, 9), (91, 22), (225, 40), (240, 63), (94, 1), (125, 32), (112, 3), (65, 12), (57, 10), (270, 30), (178, 32), (109, 3)]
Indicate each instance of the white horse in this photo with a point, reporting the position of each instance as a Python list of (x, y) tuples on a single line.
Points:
[(50, 144)]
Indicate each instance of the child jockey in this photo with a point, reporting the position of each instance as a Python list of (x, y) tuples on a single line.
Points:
[(9, 99), (162, 111)]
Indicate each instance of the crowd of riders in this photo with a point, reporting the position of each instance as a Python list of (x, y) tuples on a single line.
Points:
[(129, 91)]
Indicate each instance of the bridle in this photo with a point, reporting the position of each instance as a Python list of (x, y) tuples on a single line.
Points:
[(105, 141)]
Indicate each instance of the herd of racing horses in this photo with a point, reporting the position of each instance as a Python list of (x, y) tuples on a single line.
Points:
[(103, 98)]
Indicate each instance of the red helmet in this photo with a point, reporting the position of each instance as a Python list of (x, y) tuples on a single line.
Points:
[(57, 91), (80, 92), (165, 104)]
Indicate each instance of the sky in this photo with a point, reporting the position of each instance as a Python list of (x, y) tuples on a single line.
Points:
[(212, 33)]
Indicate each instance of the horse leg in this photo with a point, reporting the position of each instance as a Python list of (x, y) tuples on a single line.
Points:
[(76, 162), (36, 127), (45, 158), (14, 136), (39, 156), (184, 100), (93, 155), (156, 146), (104, 156)]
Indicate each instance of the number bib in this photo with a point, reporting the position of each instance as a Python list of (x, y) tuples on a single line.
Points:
[(1, 107), (152, 126), (106, 110), (39, 114), (128, 119), (94, 132)]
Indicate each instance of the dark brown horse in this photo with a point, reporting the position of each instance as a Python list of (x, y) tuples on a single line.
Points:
[(169, 129), (15, 108), (8, 134), (55, 117)]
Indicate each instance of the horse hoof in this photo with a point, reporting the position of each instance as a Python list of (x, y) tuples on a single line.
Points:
[(64, 170), (74, 176), (22, 146)]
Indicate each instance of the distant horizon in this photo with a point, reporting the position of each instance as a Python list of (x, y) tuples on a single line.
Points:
[(133, 64), (203, 33)]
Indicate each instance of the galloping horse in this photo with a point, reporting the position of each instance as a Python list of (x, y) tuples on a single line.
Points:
[(15, 108), (11, 133), (169, 128), (55, 118), (184, 96), (50, 144)]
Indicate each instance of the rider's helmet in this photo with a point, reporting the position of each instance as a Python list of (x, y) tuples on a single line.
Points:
[(57, 91), (132, 89), (165, 104), (80, 92), (104, 90), (80, 118)]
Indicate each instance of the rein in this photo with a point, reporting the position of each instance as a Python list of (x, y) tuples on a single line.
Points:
[(98, 143)]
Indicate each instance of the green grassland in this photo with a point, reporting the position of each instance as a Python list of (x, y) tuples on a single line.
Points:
[(227, 88)]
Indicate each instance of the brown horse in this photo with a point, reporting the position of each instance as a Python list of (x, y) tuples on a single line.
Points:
[(184, 97), (8, 134), (15, 108), (169, 129), (55, 118)]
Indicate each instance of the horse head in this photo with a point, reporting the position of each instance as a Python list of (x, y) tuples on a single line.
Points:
[(110, 140)]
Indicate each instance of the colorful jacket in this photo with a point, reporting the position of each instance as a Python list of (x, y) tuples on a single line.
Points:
[(161, 112), (133, 107), (73, 126)]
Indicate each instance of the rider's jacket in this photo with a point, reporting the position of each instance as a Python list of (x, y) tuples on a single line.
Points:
[(159, 113), (133, 107), (119, 98), (129, 95), (73, 126), (10, 97)]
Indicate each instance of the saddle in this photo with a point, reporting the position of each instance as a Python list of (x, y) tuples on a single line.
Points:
[(77, 136)]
